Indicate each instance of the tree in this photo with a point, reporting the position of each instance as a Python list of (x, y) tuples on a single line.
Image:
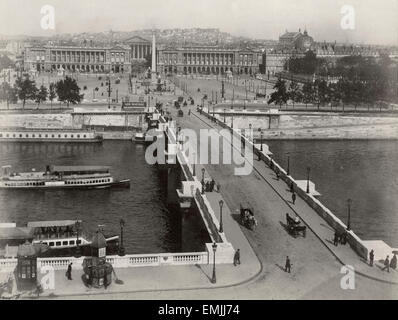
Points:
[(6, 62), (8, 94), (294, 92), (52, 94), (26, 89), (308, 93), (280, 95), (335, 94), (323, 92), (68, 91), (41, 95)]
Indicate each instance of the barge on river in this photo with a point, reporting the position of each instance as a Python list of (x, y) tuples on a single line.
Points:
[(65, 177)]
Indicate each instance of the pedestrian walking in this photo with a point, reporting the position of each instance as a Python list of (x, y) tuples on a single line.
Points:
[(288, 265), (69, 272), (105, 280), (386, 264), (237, 257), (291, 187), (336, 238), (293, 198), (393, 263), (212, 184), (371, 257)]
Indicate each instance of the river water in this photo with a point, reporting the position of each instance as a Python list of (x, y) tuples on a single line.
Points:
[(365, 171), (150, 226)]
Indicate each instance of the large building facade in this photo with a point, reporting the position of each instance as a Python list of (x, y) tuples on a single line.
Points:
[(208, 60), (296, 44), (78, 59), (140, 48)]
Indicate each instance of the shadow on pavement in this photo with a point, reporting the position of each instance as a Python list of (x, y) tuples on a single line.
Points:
[(200, 268), (280, 267)]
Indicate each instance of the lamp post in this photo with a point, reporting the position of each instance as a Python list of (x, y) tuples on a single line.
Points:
[(224, 115), (193, 165), (288, 166), (121, 247), (308, 179), (221, 203), (349, 202), (232, 121), (213, 278), (261, 140), (203, 180), (78, 252)]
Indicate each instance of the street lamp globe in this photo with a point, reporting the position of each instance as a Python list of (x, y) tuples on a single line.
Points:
[(214, 246)]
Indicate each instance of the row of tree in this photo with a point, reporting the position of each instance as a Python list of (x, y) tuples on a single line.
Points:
[(322, 93), (25, 89)]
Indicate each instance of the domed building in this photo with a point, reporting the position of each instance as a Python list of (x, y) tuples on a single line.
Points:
[(297, 41), (304, 42)]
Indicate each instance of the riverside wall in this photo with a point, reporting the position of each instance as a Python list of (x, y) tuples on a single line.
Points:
[(312, 125), (71, 121)]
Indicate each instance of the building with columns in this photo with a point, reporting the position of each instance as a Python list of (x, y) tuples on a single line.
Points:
[(82, 59), (208, 60), (140, 47)]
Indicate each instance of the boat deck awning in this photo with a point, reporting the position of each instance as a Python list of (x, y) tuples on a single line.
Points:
[(76, 169), (61, 223)]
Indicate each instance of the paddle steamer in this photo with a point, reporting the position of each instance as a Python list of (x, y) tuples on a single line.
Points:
[(88, 177)]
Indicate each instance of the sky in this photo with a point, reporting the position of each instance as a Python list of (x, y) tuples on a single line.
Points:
[(376, 21)]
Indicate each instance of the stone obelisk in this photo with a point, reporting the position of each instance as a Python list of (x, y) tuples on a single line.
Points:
[(153, 67)]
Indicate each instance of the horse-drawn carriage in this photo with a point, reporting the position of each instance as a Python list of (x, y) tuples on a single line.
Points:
[(247, 217), (294, 226)]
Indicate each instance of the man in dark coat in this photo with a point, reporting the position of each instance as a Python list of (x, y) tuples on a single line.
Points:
[(293, 198), (386, 264), (69, 271), (288, 265), (393, 263), (371, 257), (237, 257), (212, 184)]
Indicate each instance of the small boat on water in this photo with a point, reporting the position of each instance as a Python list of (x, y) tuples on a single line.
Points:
[(87, 177), (51, 238)]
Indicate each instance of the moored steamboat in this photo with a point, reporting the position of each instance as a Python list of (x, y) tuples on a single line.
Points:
[(48, 135), (88, 177)]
